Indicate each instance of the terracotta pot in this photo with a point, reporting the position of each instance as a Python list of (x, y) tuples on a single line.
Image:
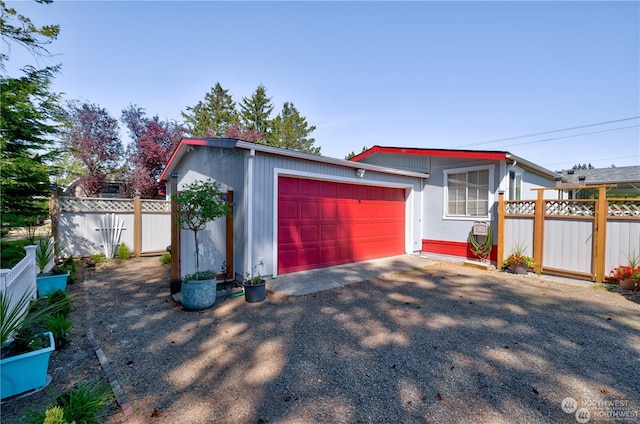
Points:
[(517, 269), (630, 284)]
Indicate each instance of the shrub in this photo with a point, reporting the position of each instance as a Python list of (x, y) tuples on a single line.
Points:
[(82, 404), (61, 299), (123, 252), (165, 258), (69, 264), (59, 326)]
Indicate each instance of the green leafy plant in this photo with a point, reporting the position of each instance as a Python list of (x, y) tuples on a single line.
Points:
[(45, 252), (59, 326), (69, 264), (165, 259), (61, 301), (518, 257), (15, 316), (123, 252), (256, 279), (202, 275), (55, 415), (98, 258), (82, 404), (199, 203)]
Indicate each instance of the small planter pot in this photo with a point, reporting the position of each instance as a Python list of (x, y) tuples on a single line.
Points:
[(48, 283), (27, 371), (630, 284), (518, 269), (255, 292), (198, 294)]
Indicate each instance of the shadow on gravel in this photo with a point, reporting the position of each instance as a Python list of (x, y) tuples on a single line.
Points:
[(442, 344)]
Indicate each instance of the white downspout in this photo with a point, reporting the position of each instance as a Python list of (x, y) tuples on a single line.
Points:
[(249, 185)]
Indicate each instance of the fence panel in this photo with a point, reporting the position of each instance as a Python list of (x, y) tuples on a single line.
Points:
[(20, 279), (623, 239), (77, 221), (568, 245), (568, 233)]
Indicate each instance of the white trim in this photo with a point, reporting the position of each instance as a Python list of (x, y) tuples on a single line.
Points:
[(249, 190), (408, 208), (445, 193)]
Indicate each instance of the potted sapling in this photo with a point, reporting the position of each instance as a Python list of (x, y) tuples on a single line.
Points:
[(199, 203)]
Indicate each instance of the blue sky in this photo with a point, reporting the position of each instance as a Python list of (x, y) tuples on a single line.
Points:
[(414, 74)]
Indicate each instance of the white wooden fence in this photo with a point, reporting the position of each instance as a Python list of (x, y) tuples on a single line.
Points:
[(20, 279), (144, 226)]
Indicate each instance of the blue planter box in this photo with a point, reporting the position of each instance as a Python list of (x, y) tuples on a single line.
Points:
[(48, 283), (27, 371)]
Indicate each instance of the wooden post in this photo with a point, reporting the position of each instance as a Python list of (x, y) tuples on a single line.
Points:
[(538, 232), (137, 225), (500, 232), (229, 237), (175, 232), (601, 233)]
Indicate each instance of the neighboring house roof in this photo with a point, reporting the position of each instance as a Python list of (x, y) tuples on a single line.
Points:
[(622, 174), (189, 143), (474, 154)]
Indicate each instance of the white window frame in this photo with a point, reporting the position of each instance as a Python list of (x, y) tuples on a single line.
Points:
[(490, 193), (515, 192)]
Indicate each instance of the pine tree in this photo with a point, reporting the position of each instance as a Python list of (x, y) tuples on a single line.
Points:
[(290, 130), (212, 116), (28, 117), (256, 110)]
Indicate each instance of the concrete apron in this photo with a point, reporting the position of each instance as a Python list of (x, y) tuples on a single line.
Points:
[(306, 282)]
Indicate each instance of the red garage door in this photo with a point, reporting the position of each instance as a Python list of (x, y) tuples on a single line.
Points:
[(322, 223)]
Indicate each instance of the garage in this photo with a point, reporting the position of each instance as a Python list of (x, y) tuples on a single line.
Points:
[(326, 223)]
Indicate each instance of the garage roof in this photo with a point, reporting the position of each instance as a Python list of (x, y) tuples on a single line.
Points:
[(231, 143)]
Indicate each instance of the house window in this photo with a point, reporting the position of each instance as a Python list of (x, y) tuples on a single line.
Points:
[(515, 185), (468, 193)]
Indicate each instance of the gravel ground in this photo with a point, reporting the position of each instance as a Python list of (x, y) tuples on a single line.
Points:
[(443, 344)]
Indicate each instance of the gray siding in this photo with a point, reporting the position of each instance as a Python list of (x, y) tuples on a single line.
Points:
[(568, 244), (264, 245), (225, 166)]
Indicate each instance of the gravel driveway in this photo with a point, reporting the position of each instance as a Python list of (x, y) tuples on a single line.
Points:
[(443, 344)]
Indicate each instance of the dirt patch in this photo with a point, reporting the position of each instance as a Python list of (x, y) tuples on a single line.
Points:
[(442, 344)]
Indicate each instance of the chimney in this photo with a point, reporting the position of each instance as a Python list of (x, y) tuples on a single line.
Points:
[(570, 175), (582, 180)]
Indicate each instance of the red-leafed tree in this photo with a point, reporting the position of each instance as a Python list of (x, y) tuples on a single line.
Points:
[(153, 143), (92, 136)]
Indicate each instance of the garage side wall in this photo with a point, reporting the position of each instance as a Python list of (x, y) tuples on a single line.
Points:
[(264, 243), (225, 166)]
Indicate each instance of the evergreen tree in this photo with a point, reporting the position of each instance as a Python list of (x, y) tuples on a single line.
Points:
[(256, 110), (16, 28), (290, 130), (212, 116), (28, 117)]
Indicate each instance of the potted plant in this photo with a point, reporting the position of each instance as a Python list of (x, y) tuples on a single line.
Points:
[(25, 352), (628, 275), (48, 281), (255, 289), (199, 203), (518, 262)]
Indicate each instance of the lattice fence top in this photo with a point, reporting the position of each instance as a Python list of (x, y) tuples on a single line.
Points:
[(570, 208), (156, 206), (624, 208), (520, 208), (89, 204)]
